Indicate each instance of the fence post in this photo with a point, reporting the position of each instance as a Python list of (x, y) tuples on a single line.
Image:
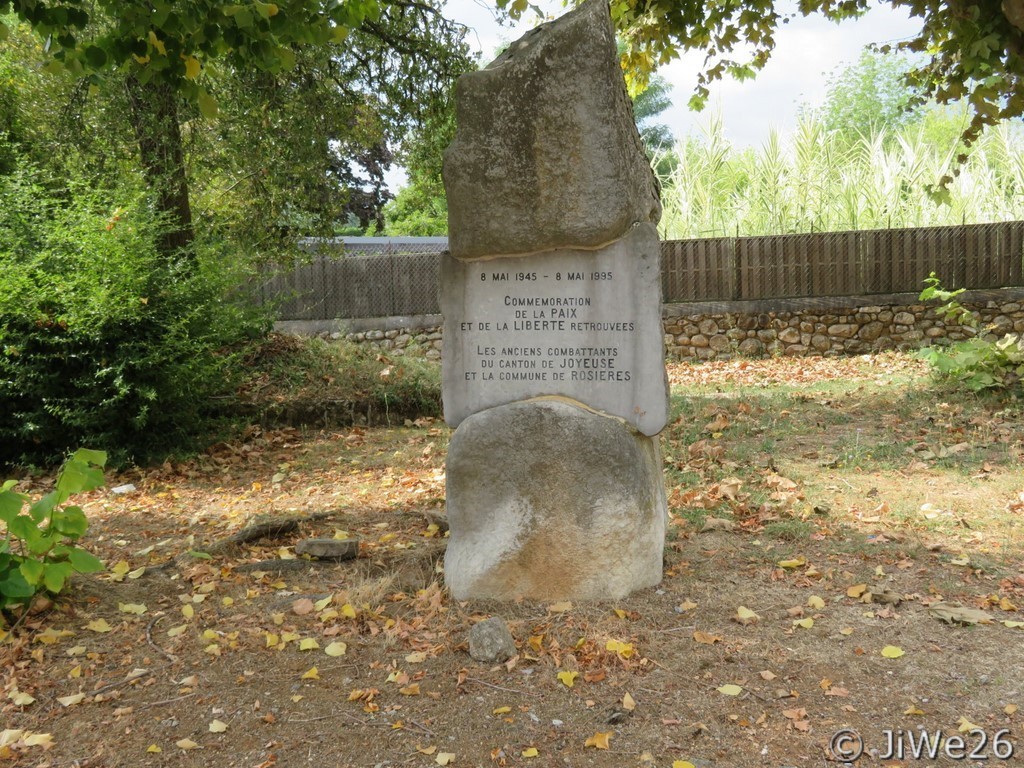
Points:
[(737, 269)]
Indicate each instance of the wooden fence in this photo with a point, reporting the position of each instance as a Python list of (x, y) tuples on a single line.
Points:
[(842, 263), (400, 278)]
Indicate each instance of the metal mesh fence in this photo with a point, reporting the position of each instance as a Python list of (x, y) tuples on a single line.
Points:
[(359, 277), (386, 277)]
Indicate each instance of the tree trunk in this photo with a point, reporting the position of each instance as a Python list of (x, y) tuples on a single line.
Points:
[(154, 116)]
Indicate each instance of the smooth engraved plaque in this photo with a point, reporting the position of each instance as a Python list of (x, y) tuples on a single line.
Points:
[(585, 325)]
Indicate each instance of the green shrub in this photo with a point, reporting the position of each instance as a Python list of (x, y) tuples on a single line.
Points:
[(36, 553), (102, 341), (976, 364)]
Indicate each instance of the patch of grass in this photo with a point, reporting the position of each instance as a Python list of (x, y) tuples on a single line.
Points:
[(789, 530), (309, 381)]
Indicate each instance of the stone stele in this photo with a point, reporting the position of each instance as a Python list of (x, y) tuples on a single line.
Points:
[(546, 152), (547, 500)]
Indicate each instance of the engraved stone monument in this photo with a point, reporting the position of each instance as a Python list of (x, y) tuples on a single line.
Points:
[(553, 364)]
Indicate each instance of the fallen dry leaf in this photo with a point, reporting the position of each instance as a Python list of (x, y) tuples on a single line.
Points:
[(599, 740)]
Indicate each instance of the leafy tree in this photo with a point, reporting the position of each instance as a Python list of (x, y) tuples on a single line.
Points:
[(162, 52), (973, 51), (869, 96), (648, 104)]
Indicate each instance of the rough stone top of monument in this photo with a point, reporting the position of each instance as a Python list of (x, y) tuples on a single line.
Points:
[(547, 154)]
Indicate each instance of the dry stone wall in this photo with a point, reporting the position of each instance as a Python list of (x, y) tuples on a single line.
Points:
[(795, 328)]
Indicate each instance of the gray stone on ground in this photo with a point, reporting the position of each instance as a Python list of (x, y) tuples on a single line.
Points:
[(491, 642), (328, 549), (547, 153), (549, 500)]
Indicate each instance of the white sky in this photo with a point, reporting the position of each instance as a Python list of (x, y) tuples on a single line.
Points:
[(807, 50)]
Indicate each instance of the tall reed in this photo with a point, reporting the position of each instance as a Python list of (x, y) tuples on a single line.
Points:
[(816, 180)]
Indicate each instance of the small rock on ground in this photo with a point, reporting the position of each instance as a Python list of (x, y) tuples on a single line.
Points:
[(491, 642)]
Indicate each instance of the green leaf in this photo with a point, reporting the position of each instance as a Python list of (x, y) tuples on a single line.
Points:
[(71, 522), (207, 105), (10, 505), (84, 562), (44, 506), (95, 56), (14, 586), (200, 555), (25, 529), (89, 456), (55, 574), (32, 570), (78, 476)]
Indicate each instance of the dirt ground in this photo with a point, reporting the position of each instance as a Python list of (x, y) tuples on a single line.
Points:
[(844, 509)]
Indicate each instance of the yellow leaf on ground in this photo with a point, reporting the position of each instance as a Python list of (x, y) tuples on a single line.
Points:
[(815, 602), (568, 678), (1010, 709), (21, 699), (745, 616), (337, 648), (561, 607), (796, 562), (188, 611), (410, 690), (628, 703), (178, 630), (892, 652), (530, 752), (445, 758), (856, 590), (311, 674), (426, 750), (321, 604), (153, 748), (70, 701), (962, 560), (137, 608), (217, 726), (625, 650), (137, 573), (913, 709), (804, 623), (186, 744), (44, 740), (706, 638), (966, 726), (682, 764), (417, 657), (348, 611), (49, 636), (1013, 624), (730, 690), (501, 710), (99, 625), (686, 605), (846, 631), (599, 740), (309, 644)]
